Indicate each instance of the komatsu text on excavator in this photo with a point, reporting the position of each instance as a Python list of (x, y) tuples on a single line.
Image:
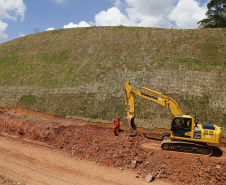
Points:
[(186, 135)]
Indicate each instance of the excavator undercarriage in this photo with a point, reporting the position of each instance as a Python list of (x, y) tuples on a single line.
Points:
[(186, 147)]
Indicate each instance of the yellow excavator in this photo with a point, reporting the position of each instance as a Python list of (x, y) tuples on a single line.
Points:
[(186, 135)]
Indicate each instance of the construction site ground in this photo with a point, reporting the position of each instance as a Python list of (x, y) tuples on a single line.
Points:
[(36, 148)]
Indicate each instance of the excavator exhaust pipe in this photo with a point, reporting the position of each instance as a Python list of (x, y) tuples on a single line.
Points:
[(129, 123)]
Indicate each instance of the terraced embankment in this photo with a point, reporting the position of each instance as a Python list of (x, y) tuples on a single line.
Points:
[(81, 73)]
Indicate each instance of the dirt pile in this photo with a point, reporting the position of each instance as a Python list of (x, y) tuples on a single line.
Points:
[(137, 151)]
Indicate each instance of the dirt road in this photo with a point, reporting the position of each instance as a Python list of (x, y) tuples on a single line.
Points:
[(25, 162)]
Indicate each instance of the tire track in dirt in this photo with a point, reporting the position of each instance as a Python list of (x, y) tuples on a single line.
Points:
[(29, 163)]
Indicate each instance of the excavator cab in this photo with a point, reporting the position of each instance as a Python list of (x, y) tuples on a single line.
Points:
[(181, 127)]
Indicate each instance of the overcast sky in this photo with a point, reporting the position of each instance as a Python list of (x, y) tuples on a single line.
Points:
[(23, 17)]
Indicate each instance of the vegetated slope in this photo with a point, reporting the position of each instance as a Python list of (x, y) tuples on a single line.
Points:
[(82, 72)]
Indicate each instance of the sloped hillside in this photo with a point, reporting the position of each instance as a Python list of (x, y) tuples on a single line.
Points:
[(82, 72)]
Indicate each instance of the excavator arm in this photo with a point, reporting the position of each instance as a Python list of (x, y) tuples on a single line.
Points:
[(150, 95)]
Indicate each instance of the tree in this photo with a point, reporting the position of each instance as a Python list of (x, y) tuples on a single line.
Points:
[(216, 15), (36, 30)]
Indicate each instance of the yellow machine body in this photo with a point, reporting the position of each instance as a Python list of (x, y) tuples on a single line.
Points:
[(184, 128)]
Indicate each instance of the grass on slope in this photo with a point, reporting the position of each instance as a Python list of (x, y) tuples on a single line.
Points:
[(73, 56)]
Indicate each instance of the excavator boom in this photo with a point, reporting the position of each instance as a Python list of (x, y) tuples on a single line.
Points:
[(148, 94)]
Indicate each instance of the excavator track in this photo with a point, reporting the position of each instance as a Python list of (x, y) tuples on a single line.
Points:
[(186, 147)]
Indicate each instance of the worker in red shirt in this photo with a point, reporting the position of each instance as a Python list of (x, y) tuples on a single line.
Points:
[(116, 126)]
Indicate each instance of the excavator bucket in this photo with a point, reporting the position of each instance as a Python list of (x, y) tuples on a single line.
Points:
[(127, 123)]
